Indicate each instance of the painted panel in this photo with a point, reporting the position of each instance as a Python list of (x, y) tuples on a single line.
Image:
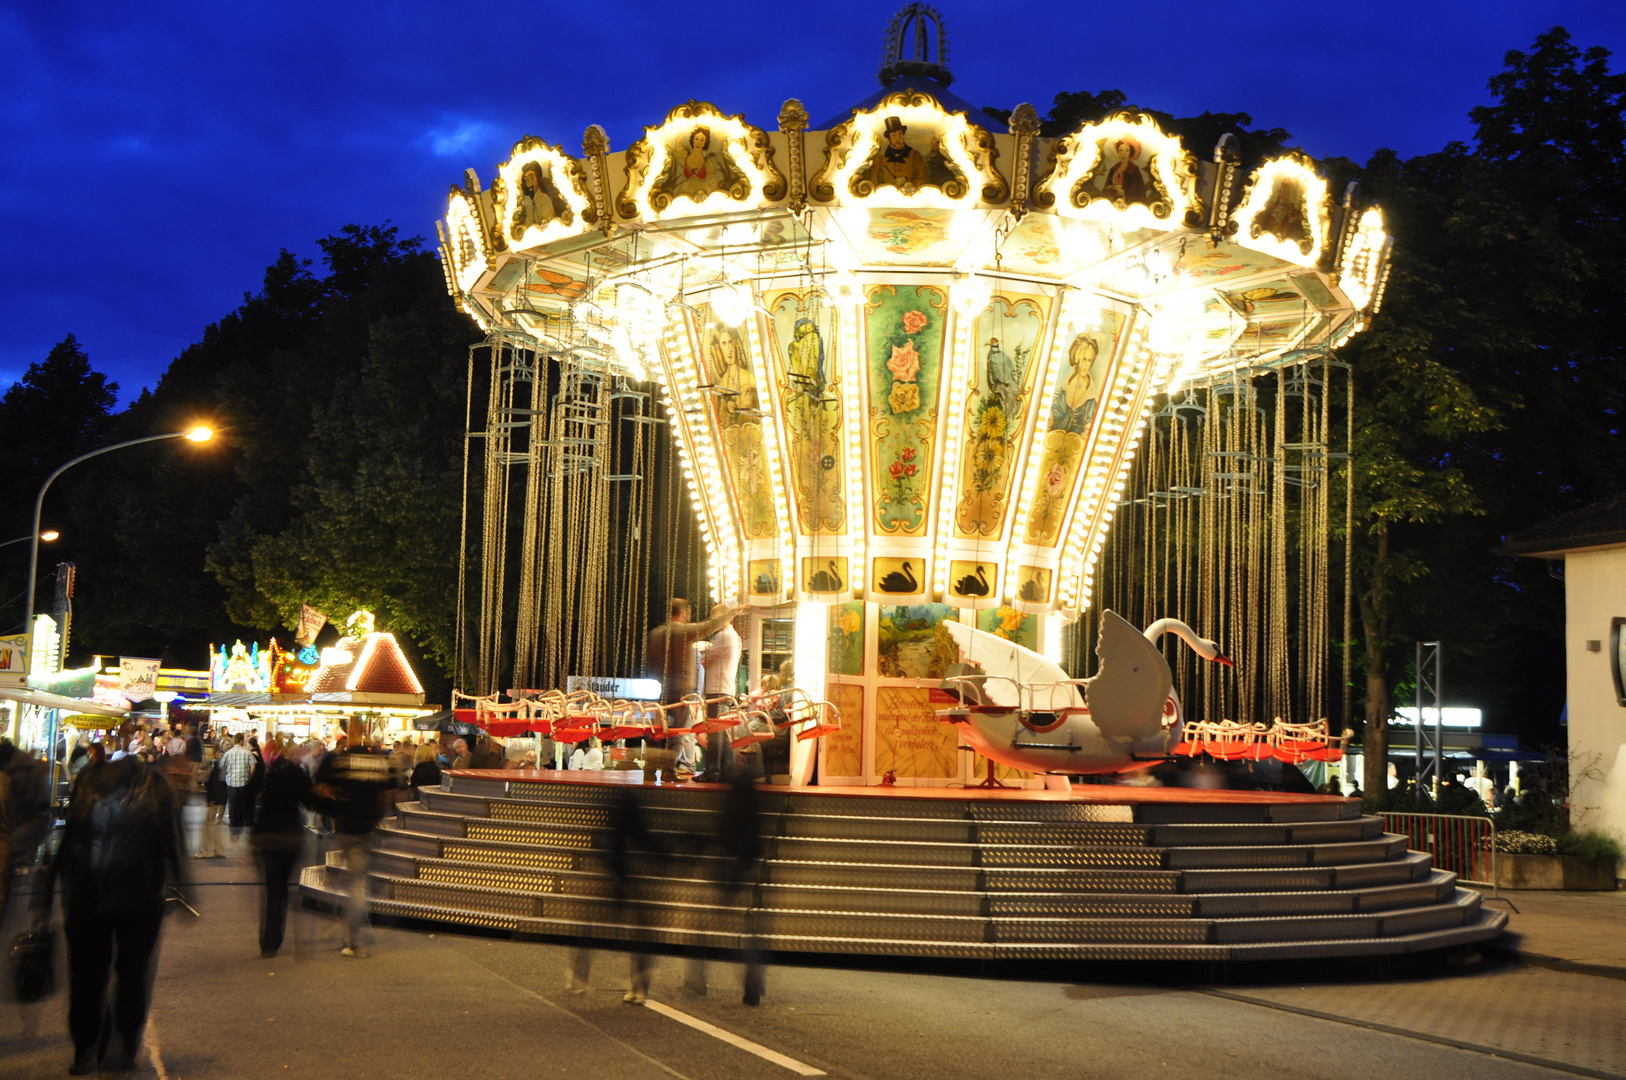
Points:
[(844, 749), (904, 327), (899, 577), (764, 577), (736, 417), (973, 579), (823, 574), (1007, 338), (910, 742), (1010, 624), (1072, 413), (808, 378), (910, 641), (846, 651)]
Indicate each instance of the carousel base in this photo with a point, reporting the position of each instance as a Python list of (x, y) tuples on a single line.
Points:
[(1101, 873)]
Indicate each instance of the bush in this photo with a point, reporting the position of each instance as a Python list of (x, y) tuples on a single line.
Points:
[(1591, 845), (1515, 842)]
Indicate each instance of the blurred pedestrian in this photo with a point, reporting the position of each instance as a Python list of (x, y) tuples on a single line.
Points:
[(215, 796), (460, 754), (30, 807), (722, 664), (425, 769), (351, 787), (120, 848), (278, 836), (237, 769)]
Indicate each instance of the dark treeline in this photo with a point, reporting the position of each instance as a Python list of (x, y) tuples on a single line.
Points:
[(338, 390), (1488, 400)]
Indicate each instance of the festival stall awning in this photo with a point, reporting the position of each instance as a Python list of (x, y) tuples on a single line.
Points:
[(41, 699)]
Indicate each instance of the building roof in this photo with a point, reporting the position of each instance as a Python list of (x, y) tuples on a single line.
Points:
[(1601, 524), (372, 664)]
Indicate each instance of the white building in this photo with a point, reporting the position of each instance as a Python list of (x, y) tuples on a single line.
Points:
[(1591, 542)]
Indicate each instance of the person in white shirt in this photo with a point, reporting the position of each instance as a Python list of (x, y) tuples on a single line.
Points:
[(578, 758), (594, 757), (722, 664)]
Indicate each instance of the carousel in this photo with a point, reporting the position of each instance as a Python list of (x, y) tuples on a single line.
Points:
[(998, 438), (906, 360)]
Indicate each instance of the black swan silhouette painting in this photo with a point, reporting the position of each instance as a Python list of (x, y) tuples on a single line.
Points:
[(825, 580), (895, 582), (970, 585), (1030, 590)]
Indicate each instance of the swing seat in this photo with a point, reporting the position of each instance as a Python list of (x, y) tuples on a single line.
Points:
[(817, 731)]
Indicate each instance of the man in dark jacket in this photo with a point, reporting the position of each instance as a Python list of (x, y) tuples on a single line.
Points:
[(120, 848), (30, 802), (278, 837)]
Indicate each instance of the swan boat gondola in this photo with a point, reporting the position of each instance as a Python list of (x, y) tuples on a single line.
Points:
[(1022, 710)]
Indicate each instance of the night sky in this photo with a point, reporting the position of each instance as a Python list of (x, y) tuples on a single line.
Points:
[(157, 155)]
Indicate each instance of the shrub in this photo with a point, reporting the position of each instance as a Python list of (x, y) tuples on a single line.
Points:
[(1591, 845), (1515, 842)]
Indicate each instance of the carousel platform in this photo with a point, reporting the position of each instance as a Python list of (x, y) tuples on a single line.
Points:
[(1102, 873)]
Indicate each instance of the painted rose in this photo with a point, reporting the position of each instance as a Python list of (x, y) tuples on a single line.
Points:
[(910, 470), (851, 622), (914, 322), (905, 397), (1055, 478), (907, 454), (896, 469), (905, 362)]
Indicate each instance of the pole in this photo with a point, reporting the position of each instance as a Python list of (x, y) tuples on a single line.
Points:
[(34, 567)]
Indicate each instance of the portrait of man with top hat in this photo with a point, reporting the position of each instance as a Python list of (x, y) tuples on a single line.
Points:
[(896, 162)]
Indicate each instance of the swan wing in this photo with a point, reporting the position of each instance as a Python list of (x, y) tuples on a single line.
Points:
[(1009, 665), (1126, 695)]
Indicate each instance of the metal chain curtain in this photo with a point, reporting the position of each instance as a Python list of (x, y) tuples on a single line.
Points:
[(1228, 527)]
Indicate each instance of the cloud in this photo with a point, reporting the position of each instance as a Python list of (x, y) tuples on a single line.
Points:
[(456, 139)]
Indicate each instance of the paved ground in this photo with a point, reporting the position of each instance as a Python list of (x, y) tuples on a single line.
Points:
[(451, 1005)]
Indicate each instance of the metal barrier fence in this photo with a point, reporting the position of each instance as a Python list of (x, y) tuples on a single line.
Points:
[(1460, 843)]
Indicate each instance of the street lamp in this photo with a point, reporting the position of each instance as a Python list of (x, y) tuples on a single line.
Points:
[(48, 535), (196, 434)]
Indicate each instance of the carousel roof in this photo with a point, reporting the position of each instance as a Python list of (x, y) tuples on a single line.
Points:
[(372, 664), (914, 346)]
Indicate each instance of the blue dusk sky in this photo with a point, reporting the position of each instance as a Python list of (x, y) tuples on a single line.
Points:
[(158, 155)]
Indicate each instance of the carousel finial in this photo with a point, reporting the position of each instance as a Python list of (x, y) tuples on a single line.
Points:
[(903, 57)]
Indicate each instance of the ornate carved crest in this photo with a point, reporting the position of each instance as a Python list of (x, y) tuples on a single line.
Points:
[(1124, 166), (1284, 210), (908, 145), (468, 248), (540, 194), (698, 156)]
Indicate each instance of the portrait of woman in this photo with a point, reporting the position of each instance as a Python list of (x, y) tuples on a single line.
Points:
[(696, 167), (1074, 404), (1124, 182)]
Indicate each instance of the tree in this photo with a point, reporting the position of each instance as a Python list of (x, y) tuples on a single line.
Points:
[(57, 411)]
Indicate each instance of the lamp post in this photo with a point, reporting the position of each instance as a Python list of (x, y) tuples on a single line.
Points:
[(196, 434)]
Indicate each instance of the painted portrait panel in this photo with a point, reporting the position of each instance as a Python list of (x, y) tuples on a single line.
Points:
[(904, 329), (725, 355), (909, 157), (1087, 362), (697, 165), (1286, 214), (537, 200), (1123, 176), (808, 375), (1008, 338)]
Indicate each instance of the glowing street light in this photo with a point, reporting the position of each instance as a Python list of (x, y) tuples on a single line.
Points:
[(197, 434), (47, 536)]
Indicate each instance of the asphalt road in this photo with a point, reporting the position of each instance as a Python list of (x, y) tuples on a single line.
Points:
[(448, 1005)]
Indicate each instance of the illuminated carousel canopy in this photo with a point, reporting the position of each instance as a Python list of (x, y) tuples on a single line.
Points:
[(909, 358)]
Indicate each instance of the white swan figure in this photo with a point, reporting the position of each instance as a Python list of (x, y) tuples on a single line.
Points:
[(1023, 710)]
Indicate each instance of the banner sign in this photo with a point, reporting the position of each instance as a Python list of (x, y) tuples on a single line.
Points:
[(629, 689), (311, 622), (138, 677), (13, 659)]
